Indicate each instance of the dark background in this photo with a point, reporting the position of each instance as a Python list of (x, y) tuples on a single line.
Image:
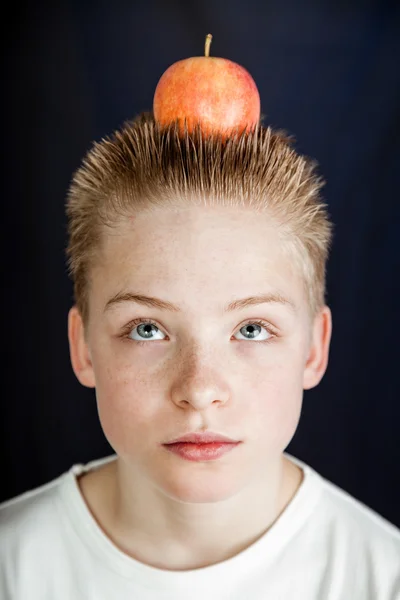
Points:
[(327, 72)]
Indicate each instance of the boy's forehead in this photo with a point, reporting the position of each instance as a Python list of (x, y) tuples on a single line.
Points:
[(220, 256), (205, 228), (198, 241)]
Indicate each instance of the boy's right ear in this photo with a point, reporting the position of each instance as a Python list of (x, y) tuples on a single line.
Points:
[(79, 350)]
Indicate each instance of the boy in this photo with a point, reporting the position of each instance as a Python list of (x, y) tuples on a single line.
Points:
[(199, 281)]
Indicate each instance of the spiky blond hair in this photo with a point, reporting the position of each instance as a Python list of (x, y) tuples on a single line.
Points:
[(143, 166)]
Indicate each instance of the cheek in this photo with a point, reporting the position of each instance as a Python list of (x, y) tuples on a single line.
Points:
[(126, 404), (274, 405)]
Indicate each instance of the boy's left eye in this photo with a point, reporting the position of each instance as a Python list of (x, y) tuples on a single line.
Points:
[(252, 330)]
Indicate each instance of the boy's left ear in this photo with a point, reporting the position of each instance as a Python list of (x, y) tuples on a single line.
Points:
[(318, 355)]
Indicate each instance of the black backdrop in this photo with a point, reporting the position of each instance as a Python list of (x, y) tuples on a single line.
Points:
[(328, 73)]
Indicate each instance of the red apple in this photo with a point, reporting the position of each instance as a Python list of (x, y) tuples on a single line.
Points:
[(217, 93)]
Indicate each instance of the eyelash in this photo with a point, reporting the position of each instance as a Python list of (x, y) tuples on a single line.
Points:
[(127, 330)]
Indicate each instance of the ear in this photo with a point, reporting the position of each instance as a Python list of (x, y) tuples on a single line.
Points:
[(79, 350), (318, 355)]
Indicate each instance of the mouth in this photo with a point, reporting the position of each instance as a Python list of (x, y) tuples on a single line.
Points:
[(207, 437), (201, 452)]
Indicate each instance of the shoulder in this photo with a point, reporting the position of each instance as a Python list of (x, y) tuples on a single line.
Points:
[(41, 534), (29, 534), (30, 515), (340, 511), (45, 516), (357, 518), (368, 542), (349, 544)]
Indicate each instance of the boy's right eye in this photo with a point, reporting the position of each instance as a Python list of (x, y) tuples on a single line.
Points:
[(144, 328)]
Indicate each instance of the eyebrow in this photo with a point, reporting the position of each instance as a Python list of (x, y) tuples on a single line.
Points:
[(271, 298)]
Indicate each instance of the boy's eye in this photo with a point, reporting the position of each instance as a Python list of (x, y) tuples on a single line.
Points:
[(144, 330)]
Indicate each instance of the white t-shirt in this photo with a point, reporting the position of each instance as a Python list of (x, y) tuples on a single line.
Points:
[(325, 546)]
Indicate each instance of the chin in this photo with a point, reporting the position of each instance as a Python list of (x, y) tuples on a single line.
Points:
[(199, 484)]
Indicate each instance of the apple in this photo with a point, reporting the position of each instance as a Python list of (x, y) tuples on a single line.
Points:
[(216, 93)]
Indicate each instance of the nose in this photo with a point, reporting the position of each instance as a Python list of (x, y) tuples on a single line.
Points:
[(200, 399), (200, 385)]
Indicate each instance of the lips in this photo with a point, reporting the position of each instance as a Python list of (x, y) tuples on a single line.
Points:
[(203, 452), (207, 437)]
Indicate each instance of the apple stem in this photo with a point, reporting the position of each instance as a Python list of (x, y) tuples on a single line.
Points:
[(208, 44)]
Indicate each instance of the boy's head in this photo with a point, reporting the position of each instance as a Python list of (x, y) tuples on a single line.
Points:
[(198, 224)]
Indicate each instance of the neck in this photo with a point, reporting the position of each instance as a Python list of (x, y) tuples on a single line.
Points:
[(167, 534)]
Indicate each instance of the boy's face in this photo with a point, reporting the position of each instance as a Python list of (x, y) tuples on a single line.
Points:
[(201, 368)]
